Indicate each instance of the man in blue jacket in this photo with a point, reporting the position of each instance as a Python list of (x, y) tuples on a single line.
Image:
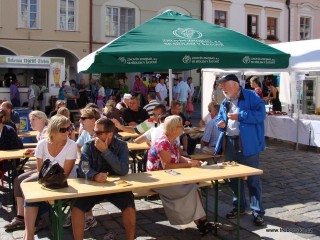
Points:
[(106, 155), (241, 122)]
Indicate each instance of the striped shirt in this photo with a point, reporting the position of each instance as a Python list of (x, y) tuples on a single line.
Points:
[(150, 106)]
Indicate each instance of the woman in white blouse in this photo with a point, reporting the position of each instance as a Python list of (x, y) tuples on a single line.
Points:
[(58, 148)]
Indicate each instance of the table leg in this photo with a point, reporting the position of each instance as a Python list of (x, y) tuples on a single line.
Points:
[(216, 192), (57, 220), (238, 212)]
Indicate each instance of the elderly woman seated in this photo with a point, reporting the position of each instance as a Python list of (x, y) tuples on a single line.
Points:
[(164, 154)]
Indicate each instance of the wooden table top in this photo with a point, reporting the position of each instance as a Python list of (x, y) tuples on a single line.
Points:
[(12, 154), (137, 146), (194, 130), (128, 135), (34, 192), (27, 134)]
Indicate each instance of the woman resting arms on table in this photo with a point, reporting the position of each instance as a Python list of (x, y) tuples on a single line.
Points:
[(38, 122), (58, 148), (181, 203)]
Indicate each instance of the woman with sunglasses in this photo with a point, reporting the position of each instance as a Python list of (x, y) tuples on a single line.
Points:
[(38, 122), (57, 147)]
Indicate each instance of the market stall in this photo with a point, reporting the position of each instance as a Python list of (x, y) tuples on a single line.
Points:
[(49, 70)]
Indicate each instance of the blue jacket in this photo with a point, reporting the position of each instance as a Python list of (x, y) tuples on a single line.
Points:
[(114, 160), (252, 114)]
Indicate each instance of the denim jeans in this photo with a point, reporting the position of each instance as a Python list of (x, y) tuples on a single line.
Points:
[(233, 153)]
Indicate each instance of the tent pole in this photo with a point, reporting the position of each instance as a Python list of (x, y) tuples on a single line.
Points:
[(170, 86)]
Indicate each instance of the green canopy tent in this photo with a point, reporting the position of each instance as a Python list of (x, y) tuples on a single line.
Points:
[(176, 41)]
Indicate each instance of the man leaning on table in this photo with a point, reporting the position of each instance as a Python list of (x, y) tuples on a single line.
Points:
[(241, 121), (106, 155)]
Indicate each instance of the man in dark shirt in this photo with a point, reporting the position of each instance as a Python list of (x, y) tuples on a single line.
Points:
[(134, 114), (106, 155)]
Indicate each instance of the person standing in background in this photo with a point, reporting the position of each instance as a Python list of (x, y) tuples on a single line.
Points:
[(61, 91), (33, 93), (14, 94), (161, 91), (83, 89), (255, 85), (43, 89), (183, 94), (93, 91), (101, 96), (72, 94), (123, 88)]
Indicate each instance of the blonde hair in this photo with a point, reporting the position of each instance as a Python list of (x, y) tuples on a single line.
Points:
[(110, 105), (64, 112), (171, 123), (54, 124), (40, 115)]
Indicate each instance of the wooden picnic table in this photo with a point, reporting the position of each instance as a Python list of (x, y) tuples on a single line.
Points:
[(34, 192)]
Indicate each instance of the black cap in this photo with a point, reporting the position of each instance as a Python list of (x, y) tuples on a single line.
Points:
[(230, 77)]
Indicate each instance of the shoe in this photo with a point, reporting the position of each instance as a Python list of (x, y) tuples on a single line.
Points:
[(90, 223), (110, 236), (15, 224), (205, 227), (67, 221), (233, 214), (258, 220), (42, 224)]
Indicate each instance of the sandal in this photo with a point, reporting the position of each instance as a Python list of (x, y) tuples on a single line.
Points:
[(15, 224), (205, 227)]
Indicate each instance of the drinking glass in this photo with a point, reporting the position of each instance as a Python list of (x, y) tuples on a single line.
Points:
[(85, 168)]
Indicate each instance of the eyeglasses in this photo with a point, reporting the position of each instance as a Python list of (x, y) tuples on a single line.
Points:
[(84, 118), (98, 133), (63, 130)]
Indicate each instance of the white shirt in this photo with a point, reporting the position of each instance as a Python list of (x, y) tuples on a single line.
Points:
[(162, 89), (102, 92), (155, 133), (68, 152)]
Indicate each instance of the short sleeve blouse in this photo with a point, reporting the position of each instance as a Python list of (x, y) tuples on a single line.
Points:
[(162, 144), (69, 152)]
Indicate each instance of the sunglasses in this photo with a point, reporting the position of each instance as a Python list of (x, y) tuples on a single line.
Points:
[(98, 133), (84, 118), (63, 130)]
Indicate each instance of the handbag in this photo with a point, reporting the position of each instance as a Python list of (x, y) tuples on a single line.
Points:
[(189, 107), (52, 175)]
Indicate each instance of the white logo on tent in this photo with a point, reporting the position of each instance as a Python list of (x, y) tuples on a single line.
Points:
[(246, 60), (187, 33), (186, 59), (122, 59)]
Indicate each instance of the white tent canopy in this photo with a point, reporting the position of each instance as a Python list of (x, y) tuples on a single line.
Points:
[(305, 55)]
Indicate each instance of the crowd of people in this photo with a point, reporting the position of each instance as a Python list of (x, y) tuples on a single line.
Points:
[(233, 128)]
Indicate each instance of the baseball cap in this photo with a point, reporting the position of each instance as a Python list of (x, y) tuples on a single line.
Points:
[(230, 77), (127, 96)]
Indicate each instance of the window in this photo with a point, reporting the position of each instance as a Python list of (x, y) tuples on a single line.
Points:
[(305, 28), (29, 14), (119, 20), (272, 29), (67, 16), (220, 18), (252, 26)]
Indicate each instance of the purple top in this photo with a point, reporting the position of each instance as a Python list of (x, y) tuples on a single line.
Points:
[(14, 92)]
